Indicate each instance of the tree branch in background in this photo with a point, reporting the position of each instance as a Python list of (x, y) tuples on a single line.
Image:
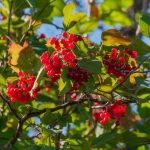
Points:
[(32, 22), (30, 114)]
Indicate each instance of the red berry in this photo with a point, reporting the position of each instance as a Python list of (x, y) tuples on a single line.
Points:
[(65, 34), (21, 91), (121, 60), (133, 54), (114, 50), (53, 41)]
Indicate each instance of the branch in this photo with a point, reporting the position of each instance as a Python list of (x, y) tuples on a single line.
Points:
[(32, 22), (56, 26), (11, 109), (30, 114)]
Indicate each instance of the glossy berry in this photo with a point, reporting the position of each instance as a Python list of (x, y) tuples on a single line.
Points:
[(118, 64), (115, 111), (65, 34), (79, 76), (62, 57), (20, 91)]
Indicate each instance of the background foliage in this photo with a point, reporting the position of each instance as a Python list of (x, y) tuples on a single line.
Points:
[(49, 122)]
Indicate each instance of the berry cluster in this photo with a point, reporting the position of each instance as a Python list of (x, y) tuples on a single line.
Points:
[(20, 91), (62, 56), (115, 111), (118, 62), (79, 76)]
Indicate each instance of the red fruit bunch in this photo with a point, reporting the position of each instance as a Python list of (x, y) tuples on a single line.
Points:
[(20, 91), (119, 62), (79, 76), (62, 57), (115, 111)]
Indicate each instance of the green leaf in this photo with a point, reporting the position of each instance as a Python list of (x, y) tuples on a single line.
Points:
[(48, 117), (58, 6), (144, 110), (141, 47), (90, 65), (133, 139), (2, 81), (143, 92), (145, 25), (71, 19), (85, 114), (90, 85), (104, 139), (114, 12), (11, 80), (64, 82)]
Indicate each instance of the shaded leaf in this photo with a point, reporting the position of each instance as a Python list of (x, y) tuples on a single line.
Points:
[(141, 47), (91, 65), (104, 139)]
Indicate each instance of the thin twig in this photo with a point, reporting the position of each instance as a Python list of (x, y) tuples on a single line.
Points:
[(9, 105), (56, 26), (32, 22)]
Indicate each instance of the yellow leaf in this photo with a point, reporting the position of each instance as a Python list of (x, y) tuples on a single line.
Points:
[(132, 77), (23, 58), (112, 37), (48, 43)]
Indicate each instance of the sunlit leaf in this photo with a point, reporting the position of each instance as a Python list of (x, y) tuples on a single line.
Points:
[(145, 25), (64, 82), (70, 18), (133, 76), (23, 58), (112, 37)]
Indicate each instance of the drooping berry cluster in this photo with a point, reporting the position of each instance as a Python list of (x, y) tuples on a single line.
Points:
[(79, 76), (115, 111), (20, 91), (62, 56), (119, 62)]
